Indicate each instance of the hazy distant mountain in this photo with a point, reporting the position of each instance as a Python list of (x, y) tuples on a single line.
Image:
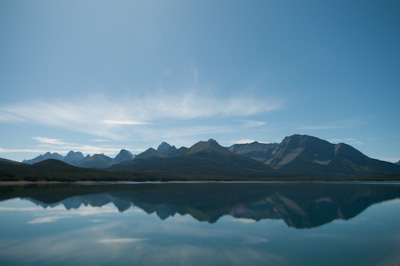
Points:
[(98, 161), (164, 150), (310, 155), (77, 159), (398, 162), (74, 158), (163, 147), (44, 157), (257, 151), (205, 158), (123, 156)]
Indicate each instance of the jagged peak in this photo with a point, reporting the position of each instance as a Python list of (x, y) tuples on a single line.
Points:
[(74, 154), (124, 151)]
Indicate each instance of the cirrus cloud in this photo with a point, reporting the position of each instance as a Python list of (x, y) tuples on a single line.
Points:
[(102, 116)]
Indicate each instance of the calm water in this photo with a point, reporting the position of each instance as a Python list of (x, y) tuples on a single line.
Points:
[(201, 224)]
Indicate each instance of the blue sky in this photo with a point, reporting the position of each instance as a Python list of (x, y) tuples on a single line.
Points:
[(99, 76)]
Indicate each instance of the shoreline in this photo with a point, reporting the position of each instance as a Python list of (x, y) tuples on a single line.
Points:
[(23, 183)]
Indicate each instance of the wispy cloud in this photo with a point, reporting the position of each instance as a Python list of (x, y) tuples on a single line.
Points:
[(243, 141), (119, 240), (57, 145), (334, 125), (252, 123), (42, 220), (101, 116), (244, 220), (21, 209), (100, 140), (347, 141), (322, 127), (247, 141), (49, 141), (2, 150), (124, 122)]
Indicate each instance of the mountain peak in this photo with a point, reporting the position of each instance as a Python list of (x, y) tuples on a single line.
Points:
[(300, 140), (208, 146), (123, 152), (163, 147), (74, 158), (302, 147), (150, 153), (123, 155)]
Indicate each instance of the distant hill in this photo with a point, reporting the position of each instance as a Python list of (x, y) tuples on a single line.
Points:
[(6, 161), (54, 170), (205, 158), (398, 162)]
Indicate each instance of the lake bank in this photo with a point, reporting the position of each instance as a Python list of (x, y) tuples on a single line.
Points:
[(122, 182)]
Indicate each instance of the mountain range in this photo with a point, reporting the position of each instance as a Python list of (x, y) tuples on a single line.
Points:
[(296, 157), (205, 158), (98, 161)]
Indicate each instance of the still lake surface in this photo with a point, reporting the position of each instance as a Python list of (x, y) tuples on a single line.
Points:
[(201, 224)]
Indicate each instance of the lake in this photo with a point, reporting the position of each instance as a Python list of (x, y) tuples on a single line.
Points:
[(270, 223)]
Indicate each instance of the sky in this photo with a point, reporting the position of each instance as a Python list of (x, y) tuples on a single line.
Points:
[(99, 76)]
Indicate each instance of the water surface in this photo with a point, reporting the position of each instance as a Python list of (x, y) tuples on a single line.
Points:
[(201, 223)]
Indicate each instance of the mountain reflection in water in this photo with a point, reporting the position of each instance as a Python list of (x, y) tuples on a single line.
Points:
[(299, 205)]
